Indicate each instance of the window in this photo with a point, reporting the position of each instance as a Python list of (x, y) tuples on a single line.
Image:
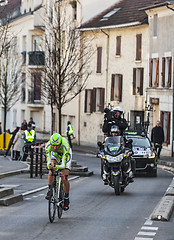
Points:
[(74, 7), (154, 72), (118, 45), (14, 117), (138, 76), (99, 59), (165, 123), (116, 87), (37, 43), (36, 94), (166, 71), (155, 17), (138, 46), (94, 100)]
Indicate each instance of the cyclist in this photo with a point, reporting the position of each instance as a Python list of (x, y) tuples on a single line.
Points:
[(59, 156)]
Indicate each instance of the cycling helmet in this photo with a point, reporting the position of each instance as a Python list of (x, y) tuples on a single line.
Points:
[(118, 109), (115, 129), (56, 139)]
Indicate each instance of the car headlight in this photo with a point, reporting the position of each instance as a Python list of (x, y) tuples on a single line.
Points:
[(151, 155), (114, 159)]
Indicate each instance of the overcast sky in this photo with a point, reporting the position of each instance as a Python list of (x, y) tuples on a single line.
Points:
[(92, 7)]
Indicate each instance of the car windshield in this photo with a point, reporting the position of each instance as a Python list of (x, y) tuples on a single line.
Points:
[(139, 141)]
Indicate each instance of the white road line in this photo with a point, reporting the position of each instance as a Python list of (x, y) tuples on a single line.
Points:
[(137, 238), (148, 222), (147, 233), (150, 228)]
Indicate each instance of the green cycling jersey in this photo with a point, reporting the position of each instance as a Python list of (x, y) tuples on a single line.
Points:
[(62, 155)]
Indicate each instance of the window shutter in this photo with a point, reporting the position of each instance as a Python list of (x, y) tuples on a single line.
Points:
[(168, 128), (120, 87), (157, 73), (86, 97), (112, 87), (138, 46), (91, 99), (94, 100), (134, 81), (141, 80), (163, 72), (161, 119), (118, 45), (170, 67), (99, 57), (102, 99), (150, 72)]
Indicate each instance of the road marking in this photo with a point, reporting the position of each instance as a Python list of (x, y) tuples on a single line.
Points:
[(137, 238), (148, 222), (147, 233), (150, 228)]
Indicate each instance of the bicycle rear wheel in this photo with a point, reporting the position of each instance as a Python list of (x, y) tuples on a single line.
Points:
[(52, 202), (60, 201)]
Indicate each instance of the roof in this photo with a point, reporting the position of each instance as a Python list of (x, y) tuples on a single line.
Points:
[(9, 8), (124, 12)]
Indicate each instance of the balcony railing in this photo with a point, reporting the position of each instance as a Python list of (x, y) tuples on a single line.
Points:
[(36, 58)]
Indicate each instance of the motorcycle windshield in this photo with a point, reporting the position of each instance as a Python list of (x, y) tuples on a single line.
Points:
[(112, 145)]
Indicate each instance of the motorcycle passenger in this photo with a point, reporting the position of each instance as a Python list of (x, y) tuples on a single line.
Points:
[(114, 117)]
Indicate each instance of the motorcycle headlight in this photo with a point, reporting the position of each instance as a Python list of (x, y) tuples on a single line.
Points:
[(114, 159), (151, 155)]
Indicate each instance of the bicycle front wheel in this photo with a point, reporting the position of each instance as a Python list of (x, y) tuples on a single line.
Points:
[(60, 201), (52, 202)]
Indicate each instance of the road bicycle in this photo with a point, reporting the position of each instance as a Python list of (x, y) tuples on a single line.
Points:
[(56, 200)]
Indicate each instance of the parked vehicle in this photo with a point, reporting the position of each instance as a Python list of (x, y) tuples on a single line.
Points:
[(117, 158), (143, 152)]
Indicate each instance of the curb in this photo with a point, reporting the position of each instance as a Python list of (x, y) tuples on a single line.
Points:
[(43, 188)]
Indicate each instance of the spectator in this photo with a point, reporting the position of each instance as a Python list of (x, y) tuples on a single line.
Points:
[(17, 144), (32, 123), (157, 138), (69, 133), (0, 128), (24, 125), (13, 134), (29, 137)]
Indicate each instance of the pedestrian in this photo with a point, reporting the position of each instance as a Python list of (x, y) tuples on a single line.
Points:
[(24, 125), (0, 128), (70, 133), (17, 144), (157, 138), (32, 123), (13, 134), (29, 138)]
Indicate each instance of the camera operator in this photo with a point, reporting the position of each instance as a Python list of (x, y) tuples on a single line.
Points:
[(113, 117)]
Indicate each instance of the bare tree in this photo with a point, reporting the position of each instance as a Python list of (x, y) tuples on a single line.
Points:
[(10, 69), (67, 56)]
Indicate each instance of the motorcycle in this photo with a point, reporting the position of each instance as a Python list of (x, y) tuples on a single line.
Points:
[(117, 159)]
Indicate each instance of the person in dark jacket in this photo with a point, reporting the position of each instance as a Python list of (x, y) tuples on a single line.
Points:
[(13, 134), (114, 118), (157, 137), (24, 125)]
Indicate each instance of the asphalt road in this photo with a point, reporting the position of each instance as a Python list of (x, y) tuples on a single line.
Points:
[(95, 212)]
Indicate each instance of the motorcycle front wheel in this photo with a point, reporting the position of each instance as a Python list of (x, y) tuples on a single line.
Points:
[(116, 181)]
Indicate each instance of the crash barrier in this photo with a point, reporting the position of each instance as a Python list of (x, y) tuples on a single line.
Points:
[(37, 155), (4, 141)]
